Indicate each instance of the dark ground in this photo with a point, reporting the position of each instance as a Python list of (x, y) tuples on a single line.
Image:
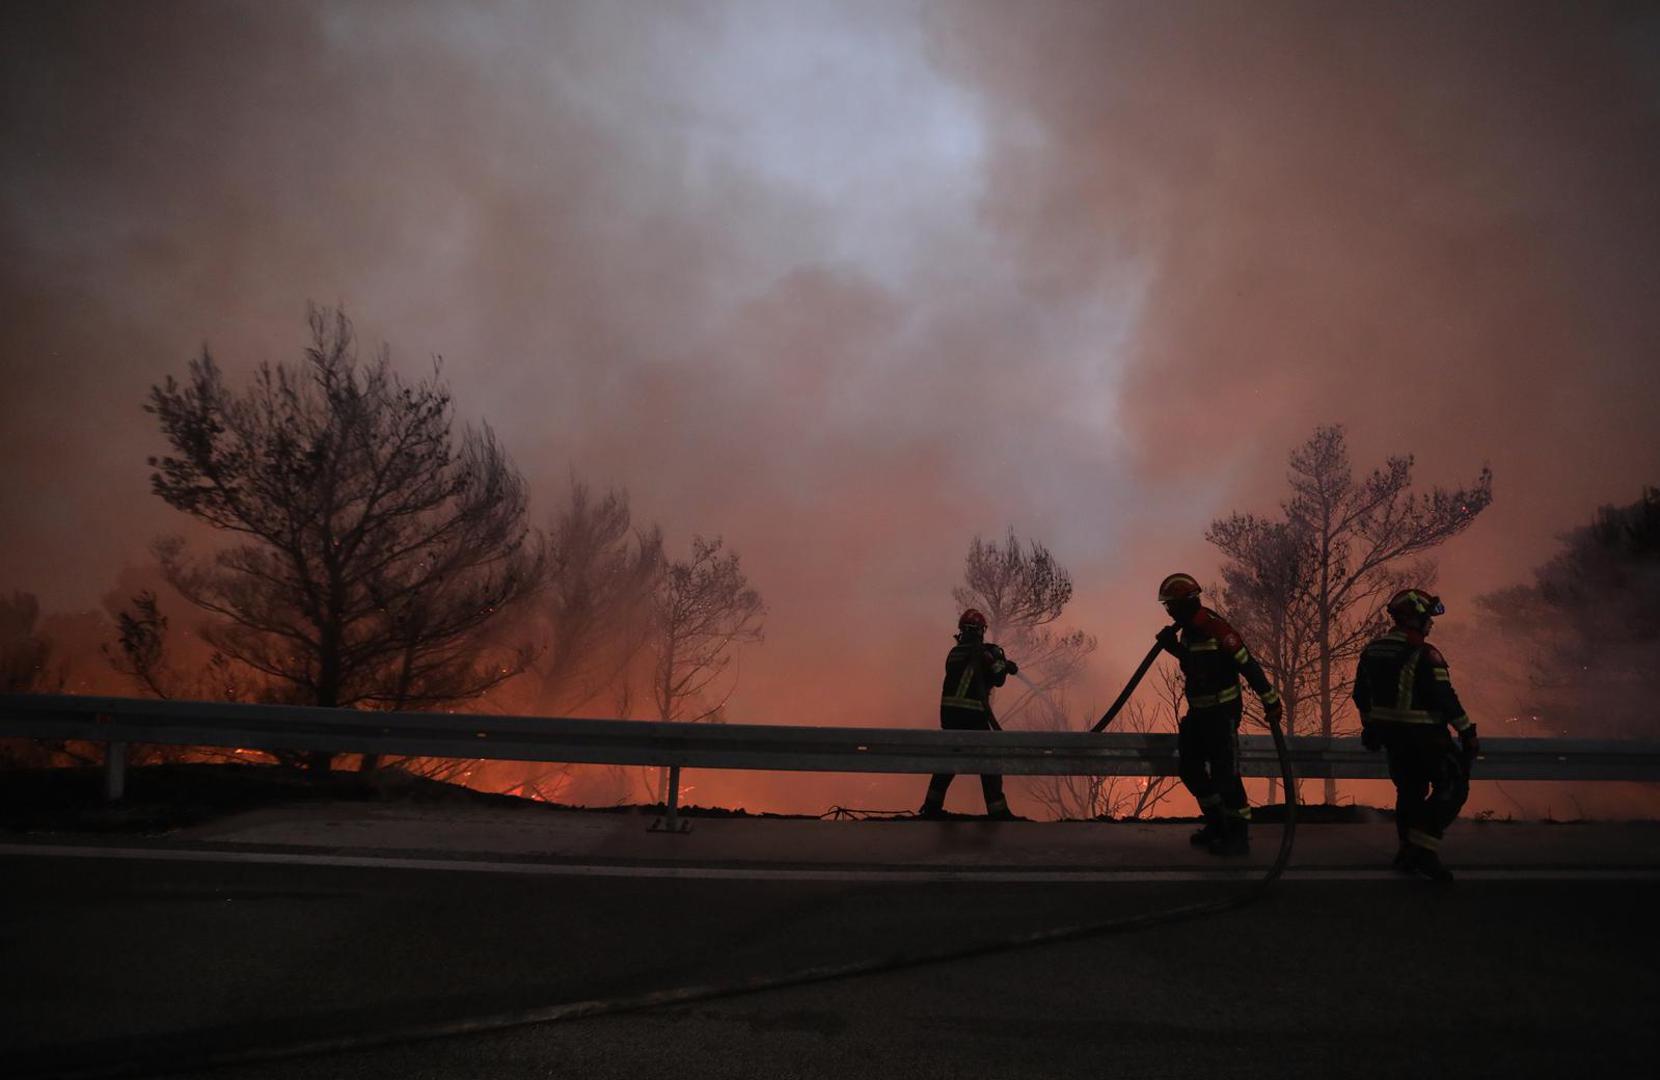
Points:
[(151, 963), (1353, 978)]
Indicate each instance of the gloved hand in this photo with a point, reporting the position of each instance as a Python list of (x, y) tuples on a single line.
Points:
[(1274, 713), (1472, 744), (1013, 668), (1168, 638), (1369, 737)]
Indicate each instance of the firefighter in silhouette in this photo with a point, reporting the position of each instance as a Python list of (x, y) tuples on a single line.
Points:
[(973, 668), (1406, 702), (1213, 657)]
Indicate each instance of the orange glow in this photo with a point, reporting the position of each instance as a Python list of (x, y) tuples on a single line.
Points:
[(847, 291)]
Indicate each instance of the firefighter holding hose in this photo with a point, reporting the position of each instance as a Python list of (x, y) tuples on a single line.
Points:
[(1213, 658), (973, 668), (1406, 702)]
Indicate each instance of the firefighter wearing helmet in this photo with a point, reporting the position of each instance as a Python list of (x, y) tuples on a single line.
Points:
[(1213, 657), (973, 668), (1406, 702)]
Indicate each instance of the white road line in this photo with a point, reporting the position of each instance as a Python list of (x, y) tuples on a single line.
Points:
[(728, 873)]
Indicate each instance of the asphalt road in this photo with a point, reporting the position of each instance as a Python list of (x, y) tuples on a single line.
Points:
[(156, 964)]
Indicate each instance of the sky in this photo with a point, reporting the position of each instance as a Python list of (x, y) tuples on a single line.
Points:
[(848, 283)]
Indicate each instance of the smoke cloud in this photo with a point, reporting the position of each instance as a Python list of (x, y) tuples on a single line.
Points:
[(848, 283)]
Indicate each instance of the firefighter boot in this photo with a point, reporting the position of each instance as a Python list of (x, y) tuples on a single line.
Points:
[(1422, 857), (998, 810), (1235, 837), (1211, 830), (1427, 863), (933, 803)]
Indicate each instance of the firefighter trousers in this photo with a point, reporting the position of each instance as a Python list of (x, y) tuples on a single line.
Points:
[(1207, 745), (991, 784), (1430, 782)]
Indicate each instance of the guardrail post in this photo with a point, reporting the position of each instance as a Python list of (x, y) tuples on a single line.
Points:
[(115, 771), (671, 821)]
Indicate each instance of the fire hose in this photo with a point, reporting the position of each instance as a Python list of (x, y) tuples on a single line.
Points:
[(1129, 687), (179, 1056)]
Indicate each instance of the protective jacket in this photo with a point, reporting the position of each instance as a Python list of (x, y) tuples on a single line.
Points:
[(972, 669), (1213, 657), (1402, 679)]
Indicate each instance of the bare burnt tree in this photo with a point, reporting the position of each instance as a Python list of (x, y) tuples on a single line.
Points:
[(375, 551), (24, 652), (1022, 590), (25, 668), (141, 652), (1585, 628), (703, 608), (1091, 798), (1018, 586), (592, 622), (598, 614), (1264, 596), (1358, 541)]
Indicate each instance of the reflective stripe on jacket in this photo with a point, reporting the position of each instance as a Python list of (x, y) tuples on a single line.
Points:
[(1213, 657), (972, 669), (1402, 679)]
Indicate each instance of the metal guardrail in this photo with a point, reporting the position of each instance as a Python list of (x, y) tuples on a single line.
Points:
[(120, 721)]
